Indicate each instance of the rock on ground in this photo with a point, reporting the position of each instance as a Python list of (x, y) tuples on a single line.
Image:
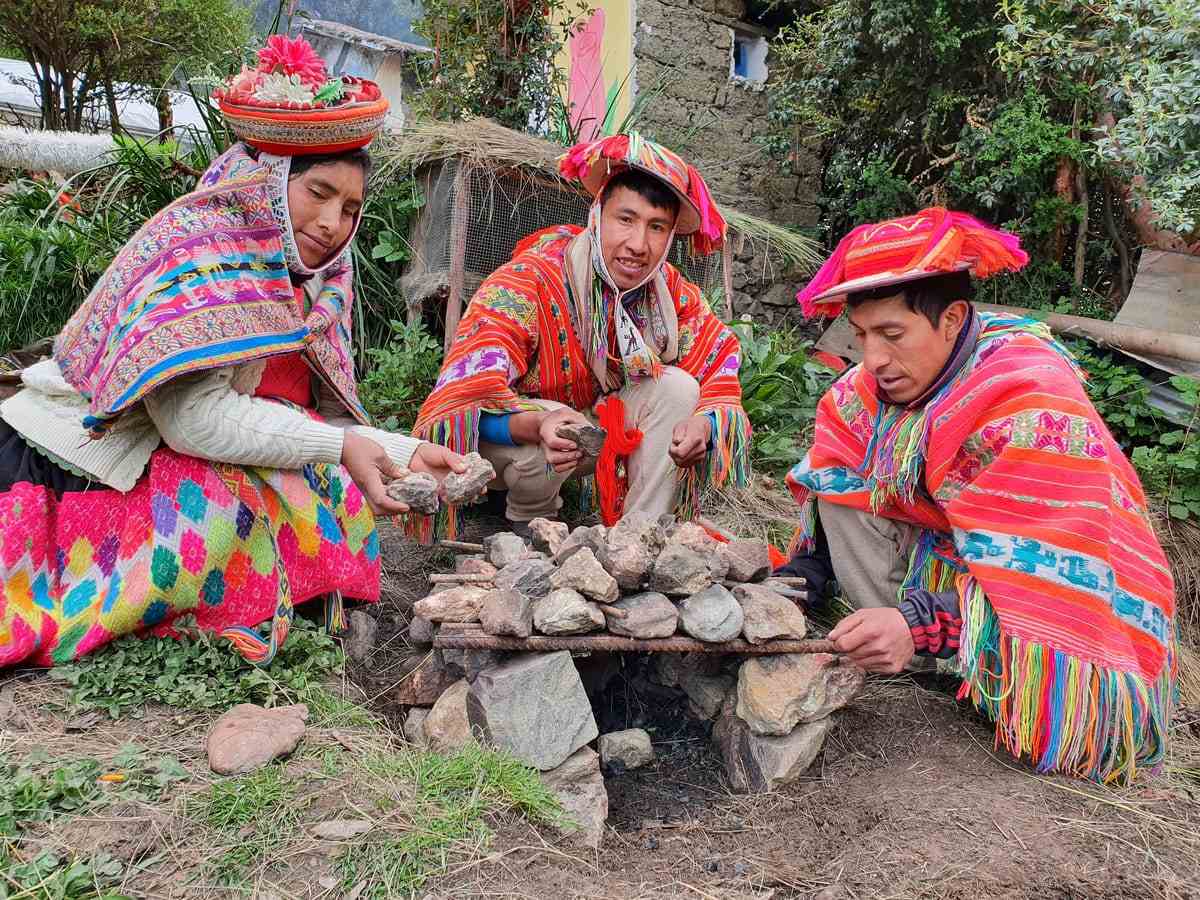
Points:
[(459, 604), (582, 572), (414, 726), (424, 684), (565, 611), (469, 485), (679, 571), (756, 763), (706, 693), (469, 663), (648, 615), (711, 615), (579, 787), (359, 639), (768, 615), (748, 560), (504, 548), (775, 693), (248, 737), (340, 829), (592, 537), (533, 706), (624, 750), (530, 577), (548, 535), (507, 613), (630, 548), (447, 728), (420, 631), (673, 669), (473, 565)]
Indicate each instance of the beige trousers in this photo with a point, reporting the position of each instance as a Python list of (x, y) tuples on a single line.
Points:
[(870, 554), (653, 406)]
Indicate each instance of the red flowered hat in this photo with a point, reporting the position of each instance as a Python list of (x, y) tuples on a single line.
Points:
[(932, 242), (289, 105), (593, 163)]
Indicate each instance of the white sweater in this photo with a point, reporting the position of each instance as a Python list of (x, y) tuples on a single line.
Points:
[(211, 416)]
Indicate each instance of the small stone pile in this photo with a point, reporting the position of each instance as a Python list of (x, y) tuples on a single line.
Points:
[(645, 579)]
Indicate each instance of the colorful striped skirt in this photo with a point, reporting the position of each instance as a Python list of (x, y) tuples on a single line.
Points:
[(228, 547)]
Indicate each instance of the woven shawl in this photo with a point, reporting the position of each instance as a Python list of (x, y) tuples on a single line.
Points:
[(1032, 512), (204, 283), (523, 310)]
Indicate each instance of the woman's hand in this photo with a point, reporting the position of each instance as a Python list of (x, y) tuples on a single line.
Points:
[(371, 468), (437, 461)]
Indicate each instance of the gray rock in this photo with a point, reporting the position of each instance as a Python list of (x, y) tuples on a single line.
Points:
[(630, 548), (696, 539), (504, 548), (756, 763), (507, 612), (533, 706), (469, 663), (582, 572), (672, 669), (359, 639), (421, 631), (565, 611), (587, 437), (711, 615), (418, 490), (422, 685), (624, 750), (706, 693), (414, 726), (767, 615), (530, 577), (592, 537), (579, 787), (459, 604), (447, 728), (248, 737), (648, 615), (340, 829), (469, 485), (548, 535), (775, 693), (473, 565), (679, 571), (748, 560)]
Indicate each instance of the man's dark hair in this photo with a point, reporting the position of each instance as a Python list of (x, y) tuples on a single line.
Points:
[(647, 187), (928, 296)]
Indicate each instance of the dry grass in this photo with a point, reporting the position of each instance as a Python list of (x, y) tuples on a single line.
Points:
[(483, 144)]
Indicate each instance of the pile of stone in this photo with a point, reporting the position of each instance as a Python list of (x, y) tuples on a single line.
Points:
[(643, 579)]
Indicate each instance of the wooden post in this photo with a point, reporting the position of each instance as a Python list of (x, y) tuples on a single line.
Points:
[(458, 250)]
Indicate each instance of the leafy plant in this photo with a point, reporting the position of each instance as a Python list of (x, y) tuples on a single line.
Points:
[(1171, 470), (52, 877), (781, 385), (199, 672), (402, 374)]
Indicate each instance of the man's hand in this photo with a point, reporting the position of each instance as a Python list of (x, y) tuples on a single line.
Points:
[(689, 441), (562, 454), (877, 640), (371, 468), (436, 460)]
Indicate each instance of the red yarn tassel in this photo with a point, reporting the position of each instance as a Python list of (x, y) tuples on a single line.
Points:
[(619, 443)]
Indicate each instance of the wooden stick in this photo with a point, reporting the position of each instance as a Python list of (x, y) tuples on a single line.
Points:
[(793, 581), (455, 578), (465, 546)]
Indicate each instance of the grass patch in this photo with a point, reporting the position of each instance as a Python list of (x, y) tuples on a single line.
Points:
[(446, 816), (202, 672), (53, 877)]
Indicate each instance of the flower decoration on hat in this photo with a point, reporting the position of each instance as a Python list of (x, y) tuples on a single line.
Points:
[(932, 242), (593, 163), (289, 103)]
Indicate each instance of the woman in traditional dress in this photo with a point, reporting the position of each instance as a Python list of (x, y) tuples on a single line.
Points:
[(195, 446)]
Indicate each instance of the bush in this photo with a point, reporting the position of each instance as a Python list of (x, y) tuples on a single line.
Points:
[(401, 376)]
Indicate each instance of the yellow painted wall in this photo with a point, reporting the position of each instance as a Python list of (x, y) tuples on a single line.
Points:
[(616, 53)]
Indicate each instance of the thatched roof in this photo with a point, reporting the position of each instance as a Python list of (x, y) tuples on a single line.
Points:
[(484, 144)]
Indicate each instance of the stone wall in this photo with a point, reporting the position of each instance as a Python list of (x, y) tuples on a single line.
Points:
[(712, 119)]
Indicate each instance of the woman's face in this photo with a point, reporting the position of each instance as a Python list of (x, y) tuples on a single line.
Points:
[(324, 203)]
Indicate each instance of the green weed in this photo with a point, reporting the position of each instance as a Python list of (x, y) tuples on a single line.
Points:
[(454, 796), (200, 672), (51, 877), (402, 374)]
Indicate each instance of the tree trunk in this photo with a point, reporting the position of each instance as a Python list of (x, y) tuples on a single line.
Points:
[(1081, 236), (110, 97), (166, 115), (1064, 177)]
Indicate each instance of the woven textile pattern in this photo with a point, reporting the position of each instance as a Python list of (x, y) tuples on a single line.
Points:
[(220, 543), (1034, 514), (203, 284)]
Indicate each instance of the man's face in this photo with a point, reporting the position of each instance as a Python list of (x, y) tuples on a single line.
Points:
[(900, 348), (633, 236)]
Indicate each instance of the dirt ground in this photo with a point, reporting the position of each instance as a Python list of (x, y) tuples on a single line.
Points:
[(907, 799)]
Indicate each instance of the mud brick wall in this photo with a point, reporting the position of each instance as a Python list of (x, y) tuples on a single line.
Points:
[(712, 120)]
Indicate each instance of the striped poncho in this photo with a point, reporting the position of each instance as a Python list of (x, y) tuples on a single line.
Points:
[(520, 338), (1031, 510)]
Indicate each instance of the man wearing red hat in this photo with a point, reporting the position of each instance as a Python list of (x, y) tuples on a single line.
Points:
[(974, 507), (594, 323)]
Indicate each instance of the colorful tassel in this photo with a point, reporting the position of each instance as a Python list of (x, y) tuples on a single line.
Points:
[(611, 481)]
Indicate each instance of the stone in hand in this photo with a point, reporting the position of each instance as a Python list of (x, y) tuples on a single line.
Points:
[(417, 490), (587, 437), (470, 484)]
